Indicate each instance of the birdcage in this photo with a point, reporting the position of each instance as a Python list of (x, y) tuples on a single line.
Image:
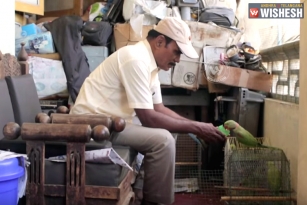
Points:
[(256, 175), (208, 187), (194, 185)]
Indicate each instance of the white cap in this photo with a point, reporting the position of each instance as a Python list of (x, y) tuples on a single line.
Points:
[(179, 31)]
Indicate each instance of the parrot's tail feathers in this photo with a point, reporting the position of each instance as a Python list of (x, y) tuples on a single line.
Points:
[(269, 147)]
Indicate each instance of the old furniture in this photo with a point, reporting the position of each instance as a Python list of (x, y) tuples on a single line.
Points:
[(101, 183)]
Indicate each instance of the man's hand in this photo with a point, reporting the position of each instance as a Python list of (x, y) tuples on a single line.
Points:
[(209, 133), (154, 119)]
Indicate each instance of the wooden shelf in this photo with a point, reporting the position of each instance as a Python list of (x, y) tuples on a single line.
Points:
[(29, 8)]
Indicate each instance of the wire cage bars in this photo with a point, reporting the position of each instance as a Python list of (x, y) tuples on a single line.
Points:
[(255, 176)]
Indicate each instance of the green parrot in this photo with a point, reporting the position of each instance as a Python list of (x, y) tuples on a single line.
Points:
[(232, 147), (243, 136), (202, 142), (274, 177)]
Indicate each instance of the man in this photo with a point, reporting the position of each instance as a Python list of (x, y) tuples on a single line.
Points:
[(127, 83)]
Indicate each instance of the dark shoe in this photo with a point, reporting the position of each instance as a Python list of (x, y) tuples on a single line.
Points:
[(144, 202)]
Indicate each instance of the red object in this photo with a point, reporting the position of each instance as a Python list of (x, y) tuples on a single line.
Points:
[(253, 12)]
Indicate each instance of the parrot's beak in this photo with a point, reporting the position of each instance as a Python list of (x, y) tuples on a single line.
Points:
[(226, 127)]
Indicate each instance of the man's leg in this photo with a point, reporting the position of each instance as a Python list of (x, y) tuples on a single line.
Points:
[(158, 148)]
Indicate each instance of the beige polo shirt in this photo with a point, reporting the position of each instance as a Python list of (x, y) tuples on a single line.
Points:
[(127, 79)]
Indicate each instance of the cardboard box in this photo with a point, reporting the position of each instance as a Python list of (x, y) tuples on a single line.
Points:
[(231, 76), (20, 18), (124, 35), (48, 75), (202, 34), (186, 72), (38, 43), (51, 56), (165, 77), (202, 79), (211, 59), (209, 34), (244, 78), (217, 87)]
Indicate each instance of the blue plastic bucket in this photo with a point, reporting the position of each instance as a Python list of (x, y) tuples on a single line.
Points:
[(10, 172)]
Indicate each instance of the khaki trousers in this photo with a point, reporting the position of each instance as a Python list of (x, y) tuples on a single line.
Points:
[(158, 148)]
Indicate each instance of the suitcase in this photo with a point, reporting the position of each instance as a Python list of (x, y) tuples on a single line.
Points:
[(95, 55)]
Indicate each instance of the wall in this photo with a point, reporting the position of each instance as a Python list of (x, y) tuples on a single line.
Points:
[(281, 121), (302, 156), (293, 123), (265, 33), (7, 24)]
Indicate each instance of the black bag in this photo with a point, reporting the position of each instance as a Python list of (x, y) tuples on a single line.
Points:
[(218, 15), (96, 33), (113, 15)]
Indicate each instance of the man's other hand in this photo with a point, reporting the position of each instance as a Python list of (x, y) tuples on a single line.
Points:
[(209, 133)]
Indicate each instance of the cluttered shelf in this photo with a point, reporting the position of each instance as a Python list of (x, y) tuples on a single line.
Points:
[(224, 61)]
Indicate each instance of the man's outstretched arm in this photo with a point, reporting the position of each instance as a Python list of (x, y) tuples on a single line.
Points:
[(154, 119), (166, 111)]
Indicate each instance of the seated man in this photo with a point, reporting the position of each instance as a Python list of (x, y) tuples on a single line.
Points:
[(127, 84)]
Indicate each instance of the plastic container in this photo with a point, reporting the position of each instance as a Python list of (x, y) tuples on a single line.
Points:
[(29, 29), (223, 130), (95, 55), (10, 172)]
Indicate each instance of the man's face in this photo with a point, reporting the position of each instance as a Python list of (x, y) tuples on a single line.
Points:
[(167, 55)]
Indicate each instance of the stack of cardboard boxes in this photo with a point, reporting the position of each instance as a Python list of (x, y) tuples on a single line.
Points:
[(208, 39), (193, 73)]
